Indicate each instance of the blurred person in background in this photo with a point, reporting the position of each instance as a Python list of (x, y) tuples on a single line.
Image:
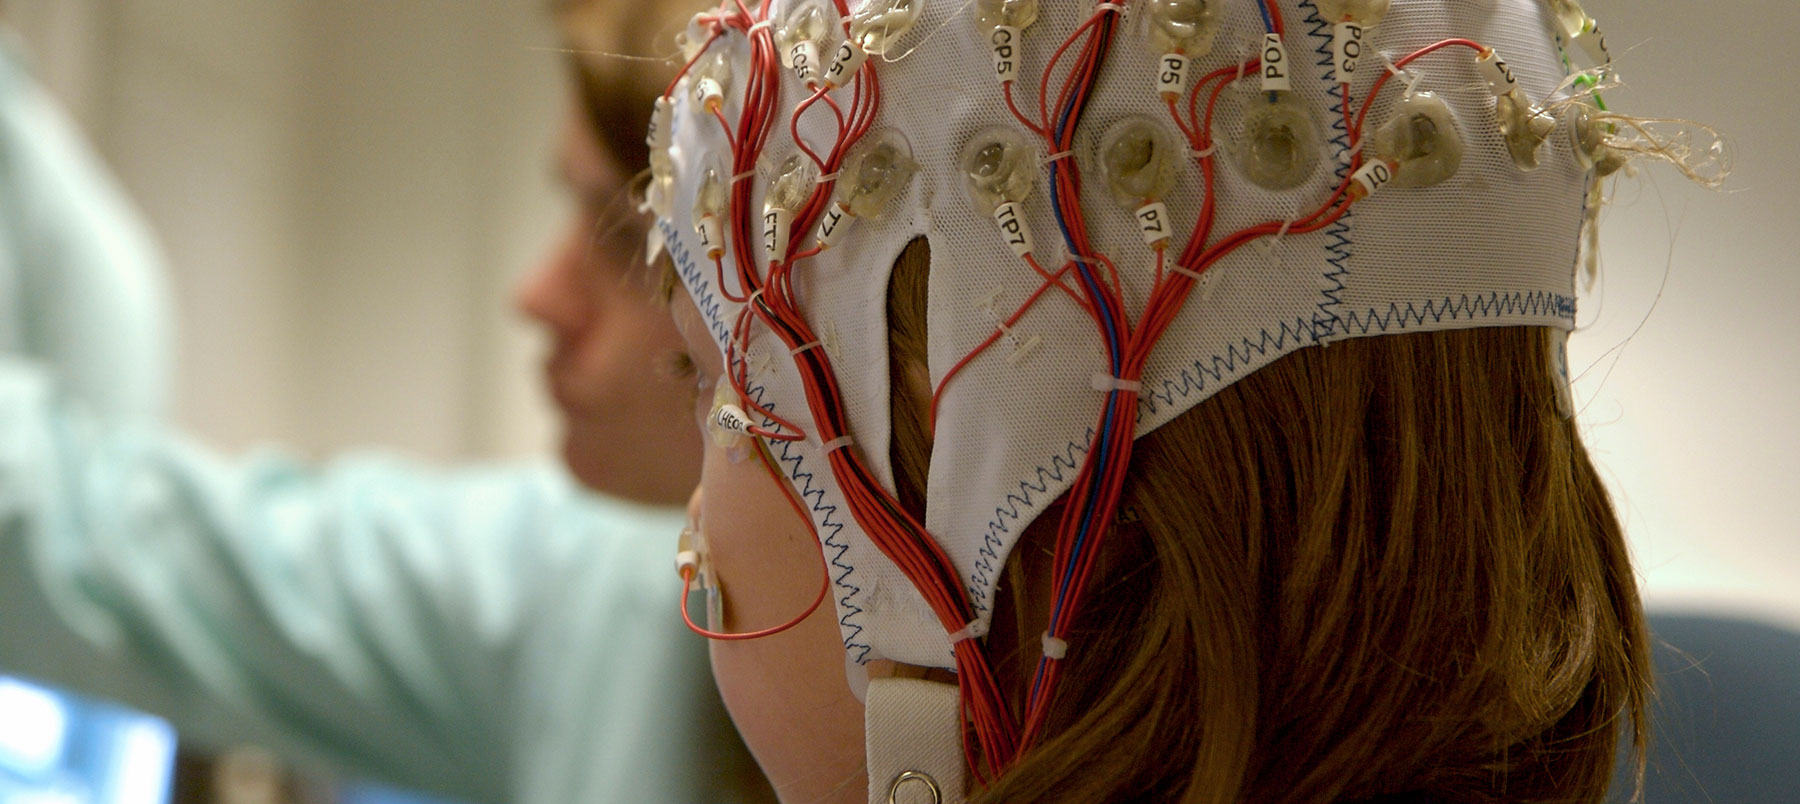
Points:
[(492, 634)]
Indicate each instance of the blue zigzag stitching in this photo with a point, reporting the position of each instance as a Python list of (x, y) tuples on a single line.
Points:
[(988, 564), (1218, 366), (830, 533), (1337, 247), (707, 301), (1523, 303)]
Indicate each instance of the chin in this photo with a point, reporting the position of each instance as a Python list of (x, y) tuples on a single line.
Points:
[(587, 468)]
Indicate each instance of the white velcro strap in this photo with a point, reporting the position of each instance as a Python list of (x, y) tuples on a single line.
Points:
[(913, 730)]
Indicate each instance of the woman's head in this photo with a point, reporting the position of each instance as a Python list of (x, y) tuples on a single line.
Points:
[(1384, 567), (613, 371), (1097, 472)]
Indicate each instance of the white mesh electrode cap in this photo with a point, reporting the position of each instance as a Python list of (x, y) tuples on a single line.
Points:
[(1492, 245)]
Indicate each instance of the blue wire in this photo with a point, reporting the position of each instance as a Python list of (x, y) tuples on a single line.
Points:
[(1268, 22)]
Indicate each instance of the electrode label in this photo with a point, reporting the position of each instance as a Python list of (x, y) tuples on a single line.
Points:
[(1006, 41), (1013, 229), (805, 60), (1498, 74), (1373, 176), (1153, 222), (850, 58), (1275, 65), (777, 226), (832, 227), (1347, 44), (712, 236), (708, 93), (1172, 75)]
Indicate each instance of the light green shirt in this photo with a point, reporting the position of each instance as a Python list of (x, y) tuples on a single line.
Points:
[(491, 634)]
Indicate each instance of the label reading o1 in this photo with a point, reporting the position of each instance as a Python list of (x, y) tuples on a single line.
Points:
[(850, 58), (1172, 74), (832, 227), (804, 58), (1153, 222), (712, 236), (1013, 229), (1275, 64), (1006, 53), (1499, 75), (1373, 176), (1347, 41), (777, 225)]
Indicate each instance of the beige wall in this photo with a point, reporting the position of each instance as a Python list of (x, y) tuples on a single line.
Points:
[(345, 190), (345, 187)]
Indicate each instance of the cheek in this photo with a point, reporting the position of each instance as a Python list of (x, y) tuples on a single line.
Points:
[(786, 692)]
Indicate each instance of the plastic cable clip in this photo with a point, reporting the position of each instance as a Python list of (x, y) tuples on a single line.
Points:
[(974, 630), (1107, 384)]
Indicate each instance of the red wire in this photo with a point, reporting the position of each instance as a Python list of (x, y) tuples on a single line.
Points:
[(687, 573)]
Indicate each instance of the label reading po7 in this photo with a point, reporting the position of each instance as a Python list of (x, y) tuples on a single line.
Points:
[(1275, 65)]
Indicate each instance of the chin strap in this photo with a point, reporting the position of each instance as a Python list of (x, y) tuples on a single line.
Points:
[(914, 735)]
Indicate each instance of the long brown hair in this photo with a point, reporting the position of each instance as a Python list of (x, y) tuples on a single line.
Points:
[(1383, 567)]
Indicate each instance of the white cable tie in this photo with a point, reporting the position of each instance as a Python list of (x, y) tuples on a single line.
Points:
[(1113, 7), (751, 173), (1024, 350), (1086, 260), (1392, 69), (829, 177), (1058, 155), (1054, 648), (1206, 152), (1194, 275), (768, 24), (1285, 226), (987, 302), (801, 349), (1107, 383), (974, 630), (837, 443)]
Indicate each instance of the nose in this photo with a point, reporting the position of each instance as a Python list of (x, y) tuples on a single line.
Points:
[(552, 293)]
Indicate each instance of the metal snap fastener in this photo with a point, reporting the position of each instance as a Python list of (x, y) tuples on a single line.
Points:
[(914, 780)]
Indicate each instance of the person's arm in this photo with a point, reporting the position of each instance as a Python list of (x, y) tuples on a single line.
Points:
[(435, 631), (82, 288)]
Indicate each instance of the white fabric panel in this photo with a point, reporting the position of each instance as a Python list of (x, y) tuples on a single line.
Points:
[(1491, 246)]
